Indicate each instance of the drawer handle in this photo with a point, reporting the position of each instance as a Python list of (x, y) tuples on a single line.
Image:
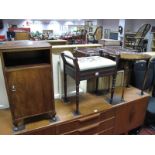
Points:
[(89, 117), (88, 127)]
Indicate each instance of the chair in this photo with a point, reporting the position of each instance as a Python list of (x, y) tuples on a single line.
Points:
[(84, 68), (139, 42), (94, 38)]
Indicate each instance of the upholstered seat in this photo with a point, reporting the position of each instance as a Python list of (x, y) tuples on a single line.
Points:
[(93, 62), (84, 68)]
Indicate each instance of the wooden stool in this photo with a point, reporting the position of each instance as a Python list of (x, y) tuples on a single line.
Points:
[(85, 68)]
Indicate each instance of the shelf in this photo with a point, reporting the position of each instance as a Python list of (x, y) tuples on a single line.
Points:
[(12, 59)]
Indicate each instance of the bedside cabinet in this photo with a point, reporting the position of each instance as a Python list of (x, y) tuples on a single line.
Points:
[(27, 67)]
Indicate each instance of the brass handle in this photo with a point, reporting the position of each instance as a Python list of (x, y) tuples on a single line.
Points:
[(13, 88)]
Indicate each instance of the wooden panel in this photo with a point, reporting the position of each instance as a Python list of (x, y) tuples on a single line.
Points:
[(122, 117), (30, 92), (22, 36), (76, 132), (65, 127), (42, 131), (130, 115), (89, 130), (88, 120), (107, 114), (137, 113), (109, 123), (107, 132)]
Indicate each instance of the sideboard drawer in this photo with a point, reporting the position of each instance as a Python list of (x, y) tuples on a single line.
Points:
[(108, 123), (89, 130), (65, 127), (76, 132), (109, 131), (50, 130), (107, 114), (89, 120)]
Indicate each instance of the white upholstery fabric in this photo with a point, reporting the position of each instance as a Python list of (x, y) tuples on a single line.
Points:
[(68, 53), (92, 62)]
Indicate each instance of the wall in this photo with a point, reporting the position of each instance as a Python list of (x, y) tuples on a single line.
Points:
[(110, 24), (3, 95), (58, 26)]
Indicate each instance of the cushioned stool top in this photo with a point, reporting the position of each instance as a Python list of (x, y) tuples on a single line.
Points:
[(92, 62)]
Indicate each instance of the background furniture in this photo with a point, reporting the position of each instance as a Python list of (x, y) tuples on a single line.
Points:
[(110, 42), (18, 33), (96, 36), (27, 68), (22, 36), (138, 41), (153, 38)]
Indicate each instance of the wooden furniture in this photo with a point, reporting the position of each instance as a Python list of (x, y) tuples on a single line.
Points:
[(97, 116), (57, 42), (27, 67), (110, 42), (22, 36), (126, 40), (85, 68), (96, 36), (153, 38), (122, 54), (128, 55), (20, 33), (138, 41)]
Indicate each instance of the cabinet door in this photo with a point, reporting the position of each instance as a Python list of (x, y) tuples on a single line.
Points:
[(30, 91), (137, 113)]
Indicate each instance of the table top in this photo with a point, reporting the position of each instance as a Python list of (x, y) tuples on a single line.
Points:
[(76, 46), (123, 53), (23, 44)]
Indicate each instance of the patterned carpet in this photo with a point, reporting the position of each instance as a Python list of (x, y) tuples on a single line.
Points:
[(147, 131)]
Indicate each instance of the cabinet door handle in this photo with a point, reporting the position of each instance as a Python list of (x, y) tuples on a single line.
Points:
[(13, 88)]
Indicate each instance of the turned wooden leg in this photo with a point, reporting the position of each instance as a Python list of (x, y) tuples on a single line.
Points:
[(65, 86), (113, 88), (96, 89), (77, 98)]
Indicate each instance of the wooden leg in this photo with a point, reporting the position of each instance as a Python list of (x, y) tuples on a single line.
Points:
[(125, 80), (53, 117), (109, 83), (96, 89), (77, 112), (65, 86), (113, 88), (18, 125), (145, 77)]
